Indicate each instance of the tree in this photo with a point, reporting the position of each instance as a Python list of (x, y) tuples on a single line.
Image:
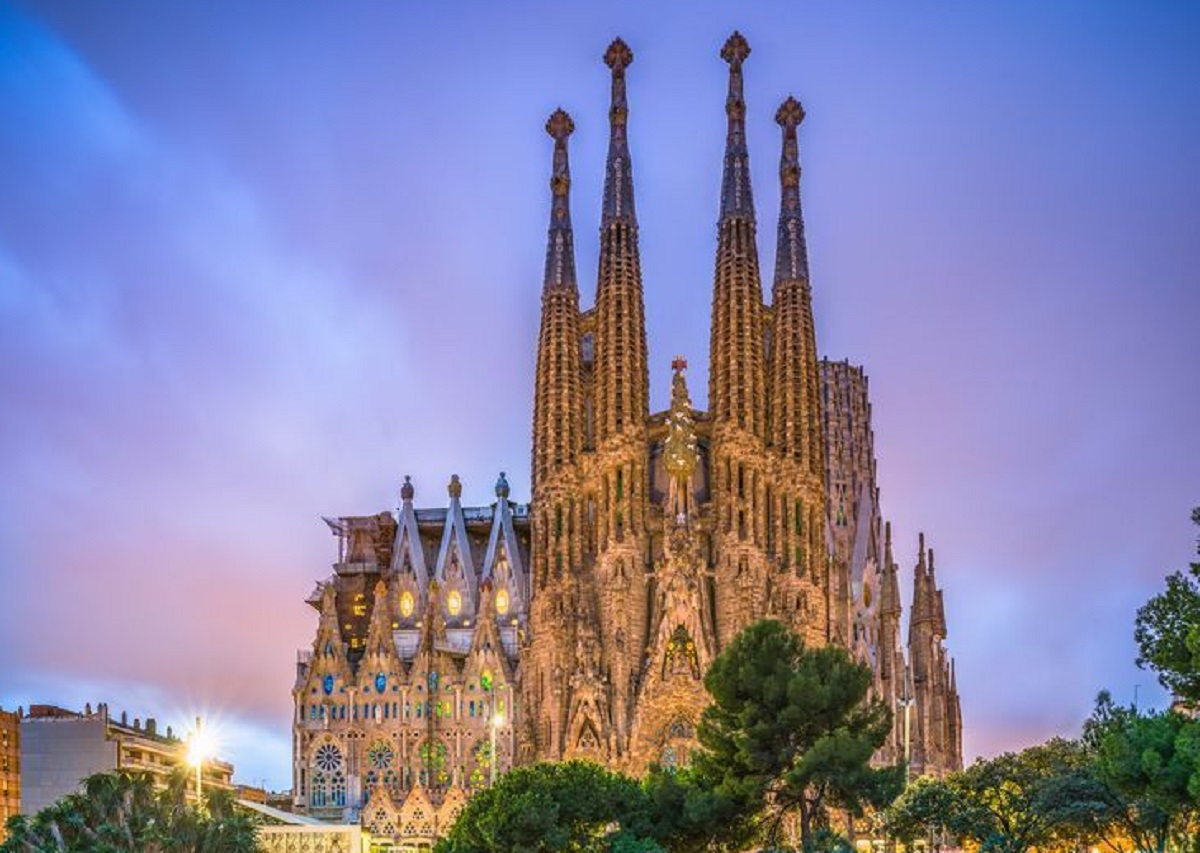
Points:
[(574, 807), (125, 812), (790, 735), (923, 810), (1145, 776), (1168, 632), (1004, 805)]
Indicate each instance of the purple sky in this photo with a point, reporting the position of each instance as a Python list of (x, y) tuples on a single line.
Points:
[(258, 261)]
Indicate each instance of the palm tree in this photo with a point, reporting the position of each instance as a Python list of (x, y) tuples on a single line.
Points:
[(125, 812)]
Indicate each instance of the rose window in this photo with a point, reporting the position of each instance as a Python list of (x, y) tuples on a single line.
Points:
[(380, 755), (328, 758)]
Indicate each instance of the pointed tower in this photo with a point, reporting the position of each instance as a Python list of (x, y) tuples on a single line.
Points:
[(556, 541), (737, 382), (796, 430), (622, 381), (617, 490), (737, 378), (409, 577)]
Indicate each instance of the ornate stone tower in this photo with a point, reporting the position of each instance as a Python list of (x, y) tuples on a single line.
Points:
[(616, 499), (556, 536), (797, 529), (737, 380), (937, 719)]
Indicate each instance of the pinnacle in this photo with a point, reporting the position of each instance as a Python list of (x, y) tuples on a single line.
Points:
[(560, 125), (790, 113), (618, 57), (736, 49)]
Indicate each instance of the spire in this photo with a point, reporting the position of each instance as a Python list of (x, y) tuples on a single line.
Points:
[(736, 197), (622, 383), (737, 374), (795, 377), (791, 256), (560, 249), (889, 604), (618, 175), (558, 405)]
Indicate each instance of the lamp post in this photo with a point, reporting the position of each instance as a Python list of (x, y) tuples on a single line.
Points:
[(497, 722), (197, 753)]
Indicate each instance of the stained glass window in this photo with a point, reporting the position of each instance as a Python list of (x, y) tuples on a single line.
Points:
[(380, 755), (328, 758)]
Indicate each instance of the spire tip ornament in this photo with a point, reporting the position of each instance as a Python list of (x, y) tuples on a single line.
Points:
[(735, 49), (790, 113), (618, 57), (560, 125)]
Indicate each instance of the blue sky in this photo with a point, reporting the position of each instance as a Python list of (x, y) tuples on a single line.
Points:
[(258, 262)]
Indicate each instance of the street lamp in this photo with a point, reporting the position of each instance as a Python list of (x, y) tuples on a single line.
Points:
[(198, 752), (497, 722)]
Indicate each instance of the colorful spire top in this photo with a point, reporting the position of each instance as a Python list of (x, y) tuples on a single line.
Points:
[(618, 172), (736, 198), (502, 487), (560, 250), (791, 254), (407, 491), (454, 488)]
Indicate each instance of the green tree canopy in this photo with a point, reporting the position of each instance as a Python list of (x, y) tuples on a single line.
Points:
[(1168, 632), (790, 735), (1003, 805), (573, 807), (125, 812), (1145, 776)]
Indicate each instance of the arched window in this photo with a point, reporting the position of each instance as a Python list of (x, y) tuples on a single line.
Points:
[(319, 795)]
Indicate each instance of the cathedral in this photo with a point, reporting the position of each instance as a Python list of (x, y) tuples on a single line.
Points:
[(455, 642)]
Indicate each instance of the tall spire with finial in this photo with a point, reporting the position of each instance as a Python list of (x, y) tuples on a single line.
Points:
[(737, 376), (736, 196), (618, 176), (557, 401), (737, 379), (622, 374), (795, 379), (560, 248)]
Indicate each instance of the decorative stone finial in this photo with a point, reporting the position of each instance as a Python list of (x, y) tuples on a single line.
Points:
[(618, 57), (679, 364), (502, 487), (736, 49), (455, 487), (790, 113), (560, 125), (407, 491)]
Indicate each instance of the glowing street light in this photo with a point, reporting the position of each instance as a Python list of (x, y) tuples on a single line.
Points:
[(199, 750)]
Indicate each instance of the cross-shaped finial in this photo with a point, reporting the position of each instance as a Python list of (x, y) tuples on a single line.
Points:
[(736, 49), (618, 57), (559, 125), (790, 113), (679, 364)]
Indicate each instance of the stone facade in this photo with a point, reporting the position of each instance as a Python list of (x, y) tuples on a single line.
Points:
[(10, 767), (581, 625)]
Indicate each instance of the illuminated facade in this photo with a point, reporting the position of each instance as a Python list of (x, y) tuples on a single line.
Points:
[(580, 626)]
